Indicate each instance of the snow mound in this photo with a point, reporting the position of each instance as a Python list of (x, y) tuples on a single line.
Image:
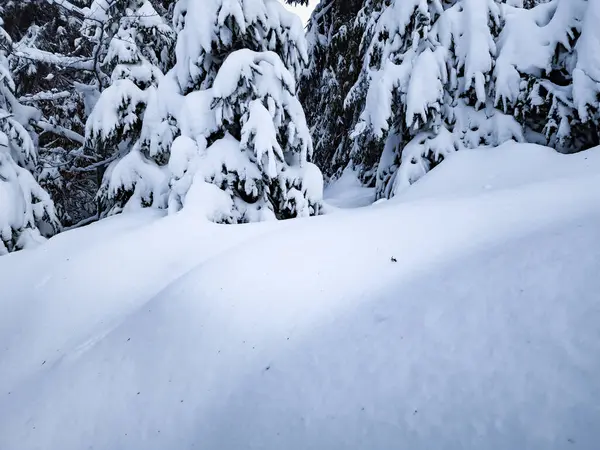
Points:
[(348, 192), (465, 318), (509, 166)]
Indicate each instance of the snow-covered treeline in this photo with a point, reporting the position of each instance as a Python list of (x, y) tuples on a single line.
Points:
[(234, 108), (425, 78), (114, 104)]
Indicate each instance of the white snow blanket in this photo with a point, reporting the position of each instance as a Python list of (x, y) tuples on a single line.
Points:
[(463, 314)]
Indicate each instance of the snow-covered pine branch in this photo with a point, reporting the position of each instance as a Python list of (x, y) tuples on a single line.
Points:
[(548, 71), (217, 25), (61, 131), (44, 96), (70, 7), (63, 61)]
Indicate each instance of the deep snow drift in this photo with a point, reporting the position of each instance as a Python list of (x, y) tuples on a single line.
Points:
[(462, 315)]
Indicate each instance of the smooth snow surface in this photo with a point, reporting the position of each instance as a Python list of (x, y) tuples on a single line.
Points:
[(348, 192), (143, 332)]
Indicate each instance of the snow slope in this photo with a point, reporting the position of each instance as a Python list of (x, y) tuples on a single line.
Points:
[(348, 192), (144, 332)]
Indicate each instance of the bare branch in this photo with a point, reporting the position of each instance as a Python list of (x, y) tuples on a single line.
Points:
[(95, 166), (82, 223)]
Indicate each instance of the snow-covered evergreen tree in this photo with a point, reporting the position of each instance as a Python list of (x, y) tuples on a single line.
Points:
[(244, 146), (427, 85), (47, 63), (138, 53), (334, 36), (26, 210)]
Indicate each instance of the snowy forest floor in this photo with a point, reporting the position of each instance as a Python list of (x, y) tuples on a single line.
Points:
[(462, 315)]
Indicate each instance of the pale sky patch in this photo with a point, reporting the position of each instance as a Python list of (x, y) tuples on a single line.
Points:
[(304, 11)]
